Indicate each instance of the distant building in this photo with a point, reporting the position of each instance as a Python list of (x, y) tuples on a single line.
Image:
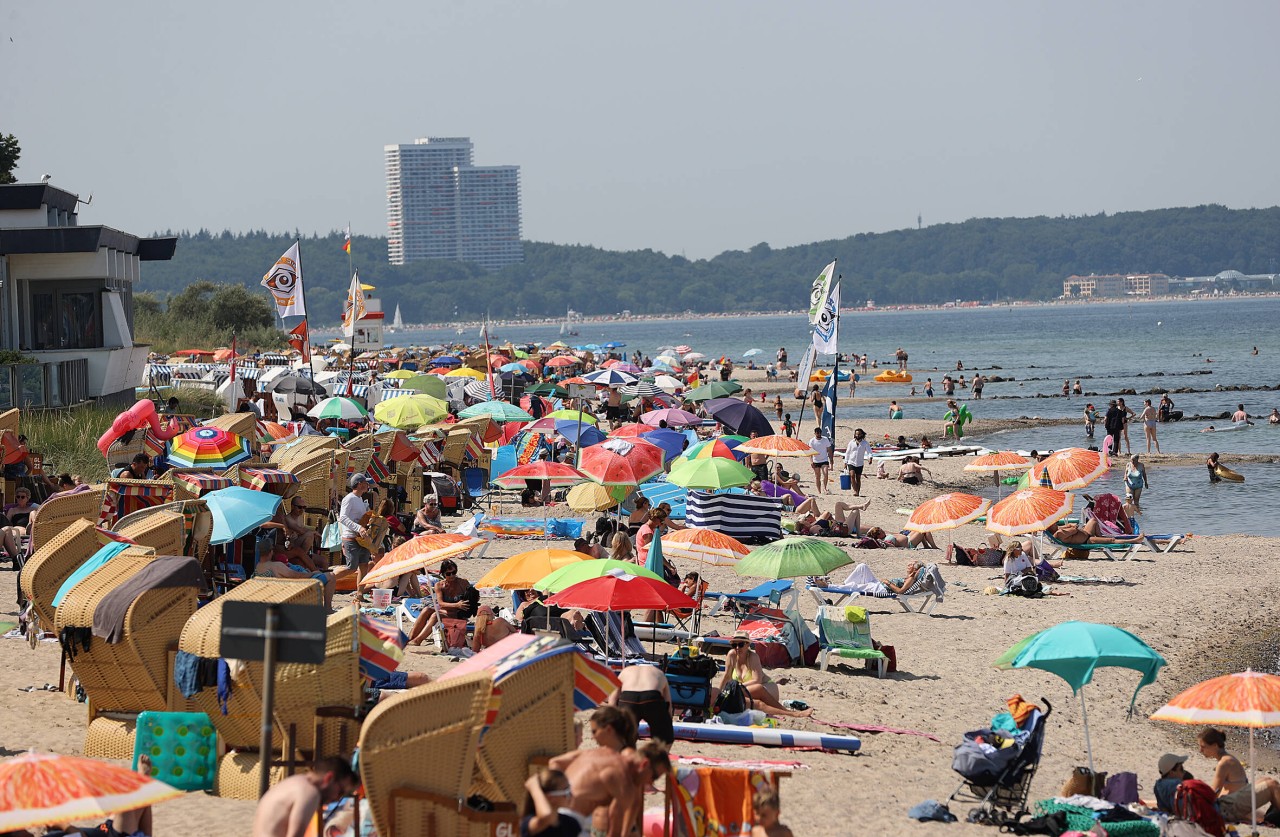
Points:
[(441, 206), (1226, 282), (1116, 284), (66, 298)]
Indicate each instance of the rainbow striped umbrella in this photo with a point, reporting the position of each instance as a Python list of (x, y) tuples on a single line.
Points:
[(45, 788), (208, 447)]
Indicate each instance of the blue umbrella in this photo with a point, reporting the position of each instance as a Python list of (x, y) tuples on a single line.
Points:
[(238, 511), (579, 433), (513, 367), (445, 361), (672, 442), (740, 417)]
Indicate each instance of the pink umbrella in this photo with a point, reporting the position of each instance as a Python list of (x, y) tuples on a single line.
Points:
[(672, 416), (629, 368), (554, 472)]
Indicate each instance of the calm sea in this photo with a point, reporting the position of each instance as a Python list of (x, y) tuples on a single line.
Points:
[(1204, 346)]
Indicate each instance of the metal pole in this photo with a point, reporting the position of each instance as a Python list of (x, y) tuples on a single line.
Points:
[(1253, 788), (268, 698), (1088, 748)]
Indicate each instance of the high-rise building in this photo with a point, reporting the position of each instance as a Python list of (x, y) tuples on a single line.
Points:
[(441, 206)]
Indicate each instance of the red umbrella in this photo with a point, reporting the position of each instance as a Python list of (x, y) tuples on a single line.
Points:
[(622, 591), (621, 461), (558, 474), (630, 431), (561, 361)]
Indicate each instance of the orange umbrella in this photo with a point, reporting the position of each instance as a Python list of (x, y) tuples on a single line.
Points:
[(274, 431), (776, 446), (947, 511), (560, 361), (1248, 699), (45, 788), (419, 553), (1071, 468), (523, 571), (1004, 460), (705, 545), (1029, 510)]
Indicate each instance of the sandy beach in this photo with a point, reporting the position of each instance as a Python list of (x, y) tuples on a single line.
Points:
[(1206, 607)]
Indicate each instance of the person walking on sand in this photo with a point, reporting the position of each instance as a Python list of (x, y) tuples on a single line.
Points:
[(1135, 480), (855, 459), (289, 807), (815, 398), (821, 447), (1150, 417)]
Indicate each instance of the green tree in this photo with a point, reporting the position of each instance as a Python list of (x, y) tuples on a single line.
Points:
[(10, 151)]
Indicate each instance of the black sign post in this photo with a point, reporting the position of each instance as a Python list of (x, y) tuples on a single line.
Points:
[(252, 631)]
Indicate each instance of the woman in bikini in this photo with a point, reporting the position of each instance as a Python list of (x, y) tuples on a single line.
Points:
[(743, 665), (901, 540), (1235, 796), (1071, 533), (451, 602)]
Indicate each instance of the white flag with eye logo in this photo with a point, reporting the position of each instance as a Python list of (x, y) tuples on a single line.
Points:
[(284, 280)]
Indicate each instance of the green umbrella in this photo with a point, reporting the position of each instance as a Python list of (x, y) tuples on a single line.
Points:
[(552, 390), (337, 407), (792, 558), (715, 389), (1072, 650), (499, 411), (427, 385), (715, 472), (572, 415), (583, 570)]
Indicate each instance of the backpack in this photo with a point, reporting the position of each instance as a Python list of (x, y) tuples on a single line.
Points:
[(1196, 801), (1024, 585), (733, 699)]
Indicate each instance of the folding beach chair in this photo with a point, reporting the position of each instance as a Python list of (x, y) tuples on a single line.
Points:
[(476, 483), (846, 632), (928, 589), (784, 589), (1113, 551)]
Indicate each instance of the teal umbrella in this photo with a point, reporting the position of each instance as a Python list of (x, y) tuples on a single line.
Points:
[(1073, 650), (499, 411), (238, 511), (653, 561), (793, 558)]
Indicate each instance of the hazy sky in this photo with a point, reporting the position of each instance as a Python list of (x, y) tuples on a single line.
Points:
[(686, 127)]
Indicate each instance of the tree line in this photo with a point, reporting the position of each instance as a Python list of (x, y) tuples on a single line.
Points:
[(985, 259)]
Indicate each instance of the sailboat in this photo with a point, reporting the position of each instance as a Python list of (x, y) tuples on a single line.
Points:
[(566, 327), (396, 323)]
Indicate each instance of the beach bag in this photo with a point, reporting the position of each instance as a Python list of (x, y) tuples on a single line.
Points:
[(1024, 585), (1082, 781), (331, 537), (733, 699), (1195, 801), (1121, 789)]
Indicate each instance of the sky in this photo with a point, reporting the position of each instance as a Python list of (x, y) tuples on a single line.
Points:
[(687, 128)]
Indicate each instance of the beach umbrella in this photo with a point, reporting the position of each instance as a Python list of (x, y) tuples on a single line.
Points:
[(446, 360), (338, 408), (238, 511), (1071, 468), (793, 558), (482, 390), (630, 431), (406, 412), (558, 474), (514, 367), (691, 357), (672, 416), (432, 385), (642, 389), (274, 431), (419, 553), (627, 368), (522, 571), (583, 435), (49, 788), (593, 497), (709, 448), (776, 446), (208, 447), (400, 373), (573, 415), (622, 589), (1029, 510), (621, 462), (715, 389), (1247, 699), (548, 389), (672, 442), (668, 383), (1005, 460), (561, 361), (465, 372), (296, 385), (572, 574), (947, 511), (751, 352), (1073, 650), (499, 411), (653, 559), (739, 416), (709, 473), (610, 378), (705, 545)]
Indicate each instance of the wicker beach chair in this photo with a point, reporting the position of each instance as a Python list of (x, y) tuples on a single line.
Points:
[(302, 448), (53, 563), (9, 420), (242, 424), (185, 488), (124, 497), (59, 512), (417, 756), (315, 483), (164, 530), (535, 719)]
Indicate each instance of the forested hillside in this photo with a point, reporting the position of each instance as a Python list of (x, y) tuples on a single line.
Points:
[(983, 259)]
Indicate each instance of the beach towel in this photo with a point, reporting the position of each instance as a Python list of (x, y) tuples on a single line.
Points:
[(863, 581), (86, 569), (166, 571), (716, 800), (381, 648)]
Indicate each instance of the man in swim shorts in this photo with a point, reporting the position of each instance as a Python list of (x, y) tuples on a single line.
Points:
[(645, 692)]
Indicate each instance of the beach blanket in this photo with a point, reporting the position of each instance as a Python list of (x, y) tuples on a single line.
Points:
[(95, 561), (1089, 579), (716, 800), (862, 581), (528, 527), (741, 764), (875, 728)]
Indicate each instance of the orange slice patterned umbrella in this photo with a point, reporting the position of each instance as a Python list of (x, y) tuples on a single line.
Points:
[(1005, 460), (1029, 510), (44, 788), (776, 446), (419, 553), (1071, 468), (1247, 699), (705, 545), (947, 511)]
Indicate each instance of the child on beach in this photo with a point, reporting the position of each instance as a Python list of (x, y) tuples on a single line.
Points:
[(766, 806)]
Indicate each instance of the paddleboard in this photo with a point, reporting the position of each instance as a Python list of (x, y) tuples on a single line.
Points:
[(899, 455), (761, 736), (956, 450), (1227, 474)]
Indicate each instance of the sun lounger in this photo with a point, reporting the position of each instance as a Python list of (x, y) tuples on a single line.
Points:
[(53, 563), (841, 635), (759, 594), (1114, 551)]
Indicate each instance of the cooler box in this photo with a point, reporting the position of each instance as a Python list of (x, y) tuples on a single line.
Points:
[(688, 692), (846, 482)]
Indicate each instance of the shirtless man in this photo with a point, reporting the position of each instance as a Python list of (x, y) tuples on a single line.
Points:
[(613, 406), (645, 692), (287, 809), (609, 786), (296, 528)]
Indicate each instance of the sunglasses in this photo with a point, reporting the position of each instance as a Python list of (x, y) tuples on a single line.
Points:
[(738, 644), (448, 573)]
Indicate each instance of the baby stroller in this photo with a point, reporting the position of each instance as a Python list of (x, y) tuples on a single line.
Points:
[(999, 780)]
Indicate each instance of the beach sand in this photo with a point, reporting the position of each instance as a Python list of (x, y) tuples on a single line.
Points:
[(1205, 607)]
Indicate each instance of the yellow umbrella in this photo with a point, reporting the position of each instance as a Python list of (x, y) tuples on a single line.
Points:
[(408, 411), (400, 373), (522, 572), (593, 497), (464, 372)]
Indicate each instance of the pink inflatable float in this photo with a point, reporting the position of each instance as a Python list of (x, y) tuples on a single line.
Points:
[(140, 415)]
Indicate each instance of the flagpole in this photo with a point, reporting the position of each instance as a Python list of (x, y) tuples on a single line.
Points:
[(306, 327), (835, 370)]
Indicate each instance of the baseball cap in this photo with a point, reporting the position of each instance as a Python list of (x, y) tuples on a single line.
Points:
[(358, 479), (1169, 761)]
